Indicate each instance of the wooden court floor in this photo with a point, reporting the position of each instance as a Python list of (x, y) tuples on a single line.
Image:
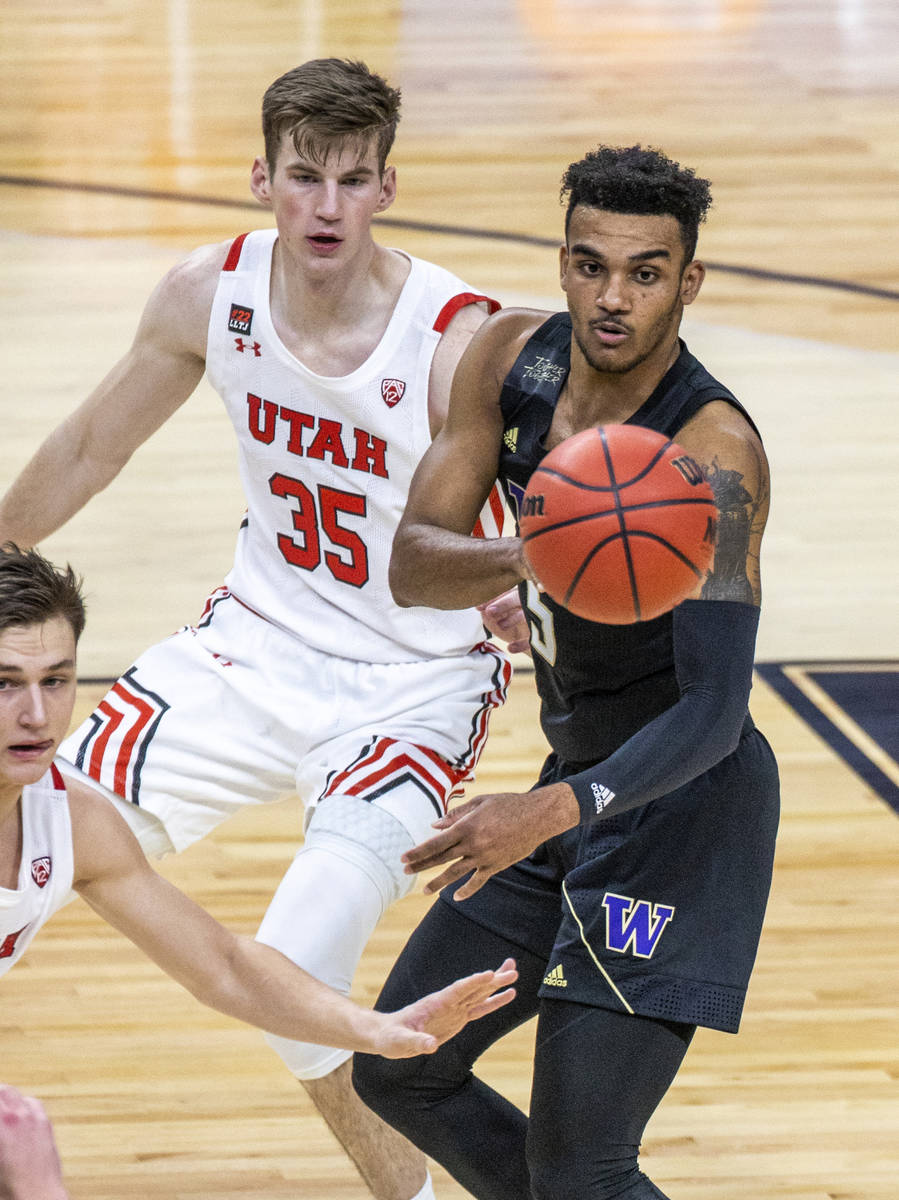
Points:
[(126, 136)]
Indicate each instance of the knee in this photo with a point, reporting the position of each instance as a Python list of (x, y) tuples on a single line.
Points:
[(305, 1060), (384, 1085), (597, 1171)]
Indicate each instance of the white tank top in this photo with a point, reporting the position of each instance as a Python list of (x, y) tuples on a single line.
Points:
[(326, 464), (46, 870)]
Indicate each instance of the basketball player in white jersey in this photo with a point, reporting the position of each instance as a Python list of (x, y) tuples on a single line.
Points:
[(56, 836), (334, 357)]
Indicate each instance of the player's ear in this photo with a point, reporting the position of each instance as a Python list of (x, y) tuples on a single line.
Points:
[(563, 265), (691, 281), (388, 189), (260, 182)]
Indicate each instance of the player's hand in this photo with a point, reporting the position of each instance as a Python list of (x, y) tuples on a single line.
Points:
[(29, 1162), (423, 1026), (505, 619), (488, 833)]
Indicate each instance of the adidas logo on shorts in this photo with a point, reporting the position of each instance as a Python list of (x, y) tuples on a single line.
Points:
[(556, 977)]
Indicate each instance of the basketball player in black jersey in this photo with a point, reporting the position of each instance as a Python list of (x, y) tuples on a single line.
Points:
[(631, 882)]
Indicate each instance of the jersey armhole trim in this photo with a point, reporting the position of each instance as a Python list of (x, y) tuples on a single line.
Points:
[(452, 306), (234, 253)]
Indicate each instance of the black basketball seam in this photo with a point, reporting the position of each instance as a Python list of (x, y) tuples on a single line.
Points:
[(624, 508), (622, 525), (625, 537), (600, 487)]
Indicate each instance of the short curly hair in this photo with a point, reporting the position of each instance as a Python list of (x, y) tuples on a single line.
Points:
[(634, 179), (33, 591)]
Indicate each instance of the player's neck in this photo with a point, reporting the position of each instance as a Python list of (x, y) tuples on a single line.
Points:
[(595, 397), (10, 838), (333, 319)]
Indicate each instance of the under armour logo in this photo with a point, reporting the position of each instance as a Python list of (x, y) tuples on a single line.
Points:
[(242, 346)]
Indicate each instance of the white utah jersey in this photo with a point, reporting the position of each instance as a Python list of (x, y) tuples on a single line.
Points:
[(46, 869), (326, 464)]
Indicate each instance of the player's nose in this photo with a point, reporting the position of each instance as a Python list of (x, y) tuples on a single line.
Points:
[(33, 711)]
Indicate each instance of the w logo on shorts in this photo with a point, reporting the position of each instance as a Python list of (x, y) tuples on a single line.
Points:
[(634, 926), (121, 728)]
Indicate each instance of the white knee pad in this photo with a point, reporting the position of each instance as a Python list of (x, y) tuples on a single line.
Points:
[(367, 835), (336, 890)]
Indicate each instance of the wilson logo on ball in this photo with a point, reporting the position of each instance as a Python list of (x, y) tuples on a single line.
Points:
[(618, 524)]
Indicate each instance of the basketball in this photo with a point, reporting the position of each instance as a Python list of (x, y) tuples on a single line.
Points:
[(618, 524)]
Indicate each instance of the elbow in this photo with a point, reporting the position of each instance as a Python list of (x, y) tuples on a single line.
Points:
[(398, 590), (399, 574)]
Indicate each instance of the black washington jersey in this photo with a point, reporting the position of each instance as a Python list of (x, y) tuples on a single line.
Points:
[(599, 684)]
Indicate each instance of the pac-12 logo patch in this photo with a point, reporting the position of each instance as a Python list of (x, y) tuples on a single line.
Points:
[(392, 391), (41, 870), (241, 319)]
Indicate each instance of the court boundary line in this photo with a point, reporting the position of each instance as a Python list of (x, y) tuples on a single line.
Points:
[(781, 677), (499, 235)]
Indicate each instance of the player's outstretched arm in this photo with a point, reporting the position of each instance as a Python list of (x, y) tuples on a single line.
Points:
[(160, 370), (239, 976), (436, 561), (29, 1161)]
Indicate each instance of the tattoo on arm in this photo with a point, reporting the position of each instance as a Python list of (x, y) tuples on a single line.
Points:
[(735, 572)]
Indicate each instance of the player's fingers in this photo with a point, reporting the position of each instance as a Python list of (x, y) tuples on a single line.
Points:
[(415, 1044), (491, 1004), (453, 872), (477, 881), (432, 853)]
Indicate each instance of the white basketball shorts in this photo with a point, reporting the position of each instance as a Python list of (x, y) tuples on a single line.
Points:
[(236, 711)]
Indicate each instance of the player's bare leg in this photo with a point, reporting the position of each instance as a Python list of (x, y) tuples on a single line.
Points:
[(392, 1167)]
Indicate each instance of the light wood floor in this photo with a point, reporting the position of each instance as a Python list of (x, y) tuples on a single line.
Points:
[(789, 109)]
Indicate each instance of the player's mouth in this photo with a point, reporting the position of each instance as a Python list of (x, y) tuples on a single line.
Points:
[(610, 333), (30, 751), (324, 243)]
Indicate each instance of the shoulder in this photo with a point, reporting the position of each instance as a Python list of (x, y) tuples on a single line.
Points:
[(101, 839), (504, 335), (180, 305), (721, 430), (194, 278)]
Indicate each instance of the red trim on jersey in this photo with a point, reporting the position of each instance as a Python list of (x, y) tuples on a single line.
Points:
[(463, 300), (497, 511), (497, 507), (56, 775), (234, 253)]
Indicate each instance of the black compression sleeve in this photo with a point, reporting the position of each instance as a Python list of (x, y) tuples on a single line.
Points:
[(714, 649)]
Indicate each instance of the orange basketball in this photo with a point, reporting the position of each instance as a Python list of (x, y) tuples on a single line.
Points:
[(618, 524)]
